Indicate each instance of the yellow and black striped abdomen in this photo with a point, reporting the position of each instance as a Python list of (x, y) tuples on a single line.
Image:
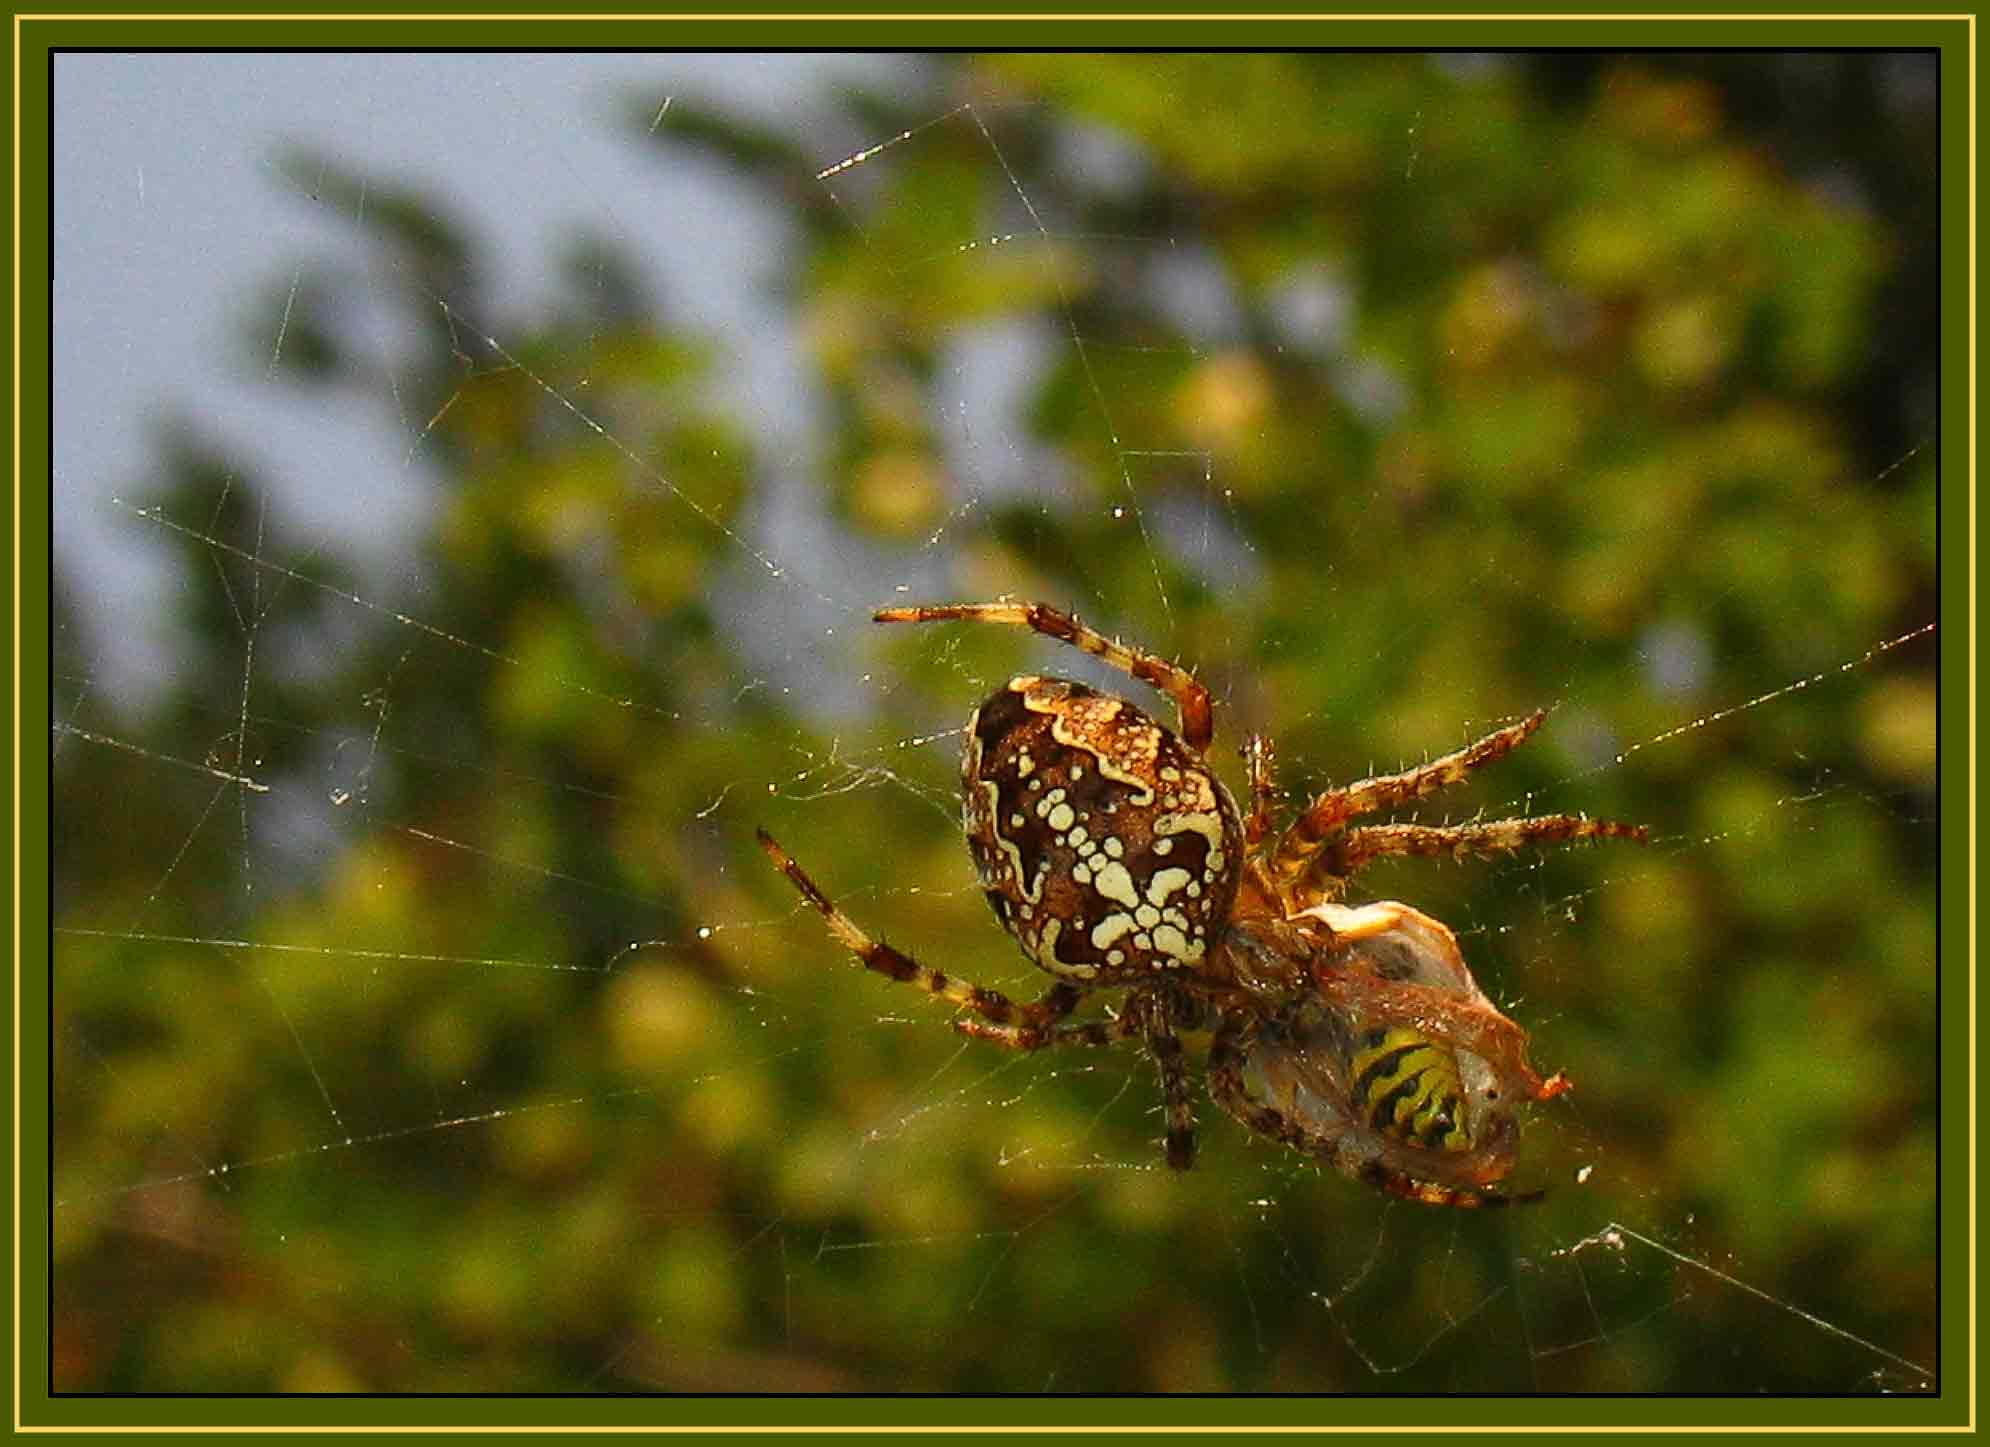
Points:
[(1407, 1086)]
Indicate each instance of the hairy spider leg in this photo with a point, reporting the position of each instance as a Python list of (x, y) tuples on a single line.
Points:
[(1157, 1009), (1429, 1193), (1149, 1014), (1226, 1088), (1064, 1032), (1261, 764), (1341, 857), (1327, 815), (991, 1005), (1147, 1017), (1259, 894), (1191, 698)]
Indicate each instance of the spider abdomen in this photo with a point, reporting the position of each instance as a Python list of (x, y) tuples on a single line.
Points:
[(1105, 845)]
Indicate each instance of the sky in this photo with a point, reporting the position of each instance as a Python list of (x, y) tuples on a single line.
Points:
[(173, 220)]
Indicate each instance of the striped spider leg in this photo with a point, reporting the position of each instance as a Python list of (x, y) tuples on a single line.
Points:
[(1318, 851), (1148, 1015)]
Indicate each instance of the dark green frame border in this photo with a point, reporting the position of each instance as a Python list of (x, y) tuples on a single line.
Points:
[(35, 40)]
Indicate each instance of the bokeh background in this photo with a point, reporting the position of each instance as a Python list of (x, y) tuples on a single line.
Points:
[(476, 1048)]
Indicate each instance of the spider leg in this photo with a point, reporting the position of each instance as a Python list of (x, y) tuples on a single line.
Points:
[(1262, 766), (1353, 850), (1063, 1032), (990, 1005), (1328, 814), (1156, 1012), (1191, 698), (1149, 1018), (1430, 1193)]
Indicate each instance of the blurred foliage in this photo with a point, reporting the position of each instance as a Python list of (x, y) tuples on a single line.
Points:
[(1458, 387)]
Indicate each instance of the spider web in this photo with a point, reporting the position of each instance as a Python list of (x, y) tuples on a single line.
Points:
[(424, 1015)]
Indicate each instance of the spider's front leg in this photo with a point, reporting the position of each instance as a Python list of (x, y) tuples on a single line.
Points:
[(1318, 851), (1328, 814), (1353, 850), (1022, 1027)]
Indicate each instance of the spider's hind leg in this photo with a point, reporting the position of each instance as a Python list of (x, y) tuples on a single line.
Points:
[(1191, 698), (1155, 1012), (1057, 1001), (1429, 1193)]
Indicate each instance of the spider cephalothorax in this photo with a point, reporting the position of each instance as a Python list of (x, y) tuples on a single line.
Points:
[(1117, 859)]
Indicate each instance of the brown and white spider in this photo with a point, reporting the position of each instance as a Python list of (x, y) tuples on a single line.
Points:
[(1112, 853)]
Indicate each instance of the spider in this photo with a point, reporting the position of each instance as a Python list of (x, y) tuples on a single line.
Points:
[(1112, 853)]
